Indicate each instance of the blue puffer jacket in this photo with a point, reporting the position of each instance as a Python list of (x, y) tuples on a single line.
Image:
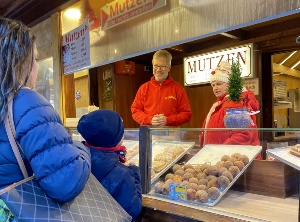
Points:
[(61, 166), (122, 182)]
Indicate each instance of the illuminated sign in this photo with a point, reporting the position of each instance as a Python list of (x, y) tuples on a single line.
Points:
[(121, 11), (197, 69)]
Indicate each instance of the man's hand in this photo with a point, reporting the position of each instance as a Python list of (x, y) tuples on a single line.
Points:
[(159, 120)]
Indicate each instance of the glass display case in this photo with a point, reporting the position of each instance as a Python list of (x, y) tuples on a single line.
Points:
[(177, 166)]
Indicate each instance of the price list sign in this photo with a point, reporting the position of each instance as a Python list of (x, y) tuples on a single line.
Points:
[(177, 192), (76, 49)]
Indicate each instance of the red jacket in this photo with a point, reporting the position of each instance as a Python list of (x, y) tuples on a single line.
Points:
[(215, 120), (169, 99)]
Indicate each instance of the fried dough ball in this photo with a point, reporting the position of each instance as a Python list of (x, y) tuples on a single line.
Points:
[(228, 175), (225, 158), (188, 166), (177, 179), (169, 176), (202, 182), (165, 157), (228, 164), (232, 159), (220, 163), (244, 159), (213, 193), (221, 170), (203, 187), (204, 166), (193, 186), (211, 177), (201, 196), (187, 176), (234, 170), (205, 171), (236, 155), (197, 169), (213, 183), (169, 181), (223, 182), (201, 176), (193, 180), (158, 187), (179, 172), (189, 170), (165, 189), (176, 167), (185, 182), (239, 164), (191, 194), (213, 170)]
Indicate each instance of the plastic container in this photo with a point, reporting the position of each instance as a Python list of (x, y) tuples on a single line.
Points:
[(237, 118)]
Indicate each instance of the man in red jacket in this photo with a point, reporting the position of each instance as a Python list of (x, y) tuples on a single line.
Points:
[(161, 101)]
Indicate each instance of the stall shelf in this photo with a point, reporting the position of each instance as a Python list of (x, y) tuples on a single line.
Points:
[(235, 206)]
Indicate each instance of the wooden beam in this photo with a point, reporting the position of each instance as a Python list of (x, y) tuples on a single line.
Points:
[(277, 68), (35, 11), (278, 27), (13, 6), (238, 34)]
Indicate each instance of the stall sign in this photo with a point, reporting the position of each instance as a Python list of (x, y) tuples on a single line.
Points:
[(252, 84), (280, 88), (76, 49), (198, 68), (177, 192), (120, 11)]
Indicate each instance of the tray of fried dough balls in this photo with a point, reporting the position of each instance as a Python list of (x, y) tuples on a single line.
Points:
[(210, 173), (164, 155)]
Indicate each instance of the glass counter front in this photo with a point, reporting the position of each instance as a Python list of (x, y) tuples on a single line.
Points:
[(178, 167)]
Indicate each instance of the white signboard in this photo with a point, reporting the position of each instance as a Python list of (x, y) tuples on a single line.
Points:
[(76, 49), (280, 88), (120, 11), (197, 69)]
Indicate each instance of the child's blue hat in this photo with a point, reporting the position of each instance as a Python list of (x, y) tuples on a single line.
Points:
[(101, 128)]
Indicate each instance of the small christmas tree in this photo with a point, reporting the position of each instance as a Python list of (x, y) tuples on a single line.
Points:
[(235, 82)]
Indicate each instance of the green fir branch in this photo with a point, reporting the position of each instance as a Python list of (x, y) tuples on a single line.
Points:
[(235, 82)]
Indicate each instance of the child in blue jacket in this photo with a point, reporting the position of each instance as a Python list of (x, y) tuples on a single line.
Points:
[(103, 132)]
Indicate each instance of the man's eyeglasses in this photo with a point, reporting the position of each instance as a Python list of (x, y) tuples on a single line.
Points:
[(155, 67)]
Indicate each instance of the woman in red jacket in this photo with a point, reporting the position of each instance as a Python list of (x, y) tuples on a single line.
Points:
[(215, 117)]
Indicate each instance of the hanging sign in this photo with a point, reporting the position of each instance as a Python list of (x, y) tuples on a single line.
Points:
[(197, 69), (76, 49), (120, 11), (253, 85)]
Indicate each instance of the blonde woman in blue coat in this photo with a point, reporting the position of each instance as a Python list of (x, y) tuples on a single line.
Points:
[(61, 167)]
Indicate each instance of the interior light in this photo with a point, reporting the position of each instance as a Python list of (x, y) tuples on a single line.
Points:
[(73, 13), (288, 57), (295, 65), (115, 51)]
